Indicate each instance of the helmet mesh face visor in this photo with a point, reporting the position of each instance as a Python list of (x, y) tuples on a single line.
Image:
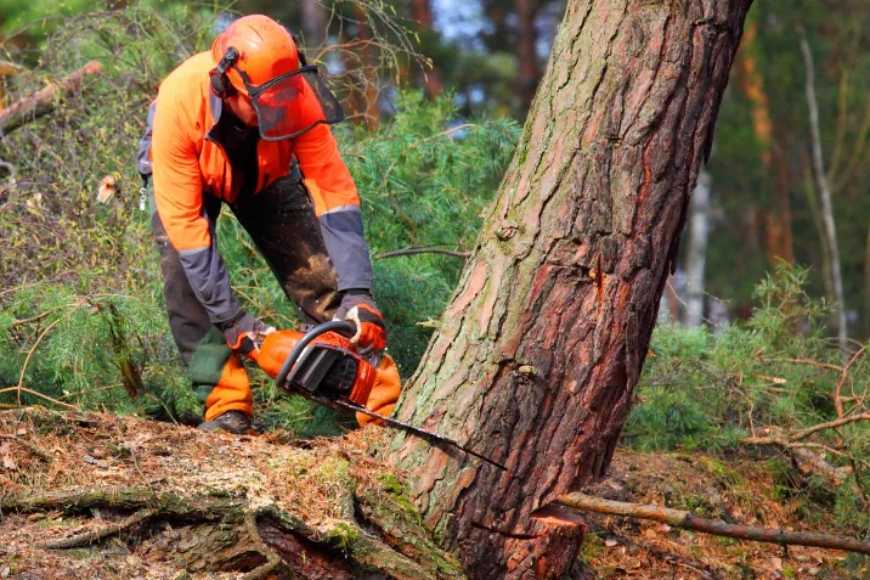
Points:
[(292, 104)]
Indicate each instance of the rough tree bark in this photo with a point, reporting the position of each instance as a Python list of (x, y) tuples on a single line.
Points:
[(537, 355)]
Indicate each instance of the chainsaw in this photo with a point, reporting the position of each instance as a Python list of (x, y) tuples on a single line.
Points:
[(324, 366)]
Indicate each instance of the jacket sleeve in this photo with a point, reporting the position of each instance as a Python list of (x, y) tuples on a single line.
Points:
[(178, 196), (337, 205)]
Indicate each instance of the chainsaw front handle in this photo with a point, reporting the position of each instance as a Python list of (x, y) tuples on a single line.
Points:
[(322, 328)]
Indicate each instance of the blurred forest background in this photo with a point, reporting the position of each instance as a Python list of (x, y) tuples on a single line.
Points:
[(763, 325)]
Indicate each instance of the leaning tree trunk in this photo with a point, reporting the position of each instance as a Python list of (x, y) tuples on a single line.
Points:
[(537, 355)]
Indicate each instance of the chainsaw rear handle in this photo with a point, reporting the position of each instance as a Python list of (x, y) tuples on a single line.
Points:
[(322, 328)]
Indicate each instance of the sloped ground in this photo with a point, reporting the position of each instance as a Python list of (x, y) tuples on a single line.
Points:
[(738, 492), (331, 511)]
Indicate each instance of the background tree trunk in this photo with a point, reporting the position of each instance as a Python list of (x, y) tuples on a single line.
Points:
[(537, 355), (421, 12), (825, 194), (696, 258), (776, 217), (315, 21), (527, 53)]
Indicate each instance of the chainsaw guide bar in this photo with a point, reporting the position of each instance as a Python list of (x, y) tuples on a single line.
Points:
[(287, 380)]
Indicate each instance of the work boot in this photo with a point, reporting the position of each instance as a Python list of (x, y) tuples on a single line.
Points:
[(232, 422)]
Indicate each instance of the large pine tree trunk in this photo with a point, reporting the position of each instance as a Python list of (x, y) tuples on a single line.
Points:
[(537, 355)]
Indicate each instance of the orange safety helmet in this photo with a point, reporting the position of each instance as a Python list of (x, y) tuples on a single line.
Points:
[(257, 57), (266, 51)]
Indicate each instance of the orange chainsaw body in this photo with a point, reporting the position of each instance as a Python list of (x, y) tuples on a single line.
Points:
[(329, 365)]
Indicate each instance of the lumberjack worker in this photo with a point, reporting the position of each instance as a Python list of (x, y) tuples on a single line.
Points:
[(247, 125)]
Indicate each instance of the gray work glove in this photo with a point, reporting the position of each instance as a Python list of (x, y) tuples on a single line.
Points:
[(358, 306), (244, 333)]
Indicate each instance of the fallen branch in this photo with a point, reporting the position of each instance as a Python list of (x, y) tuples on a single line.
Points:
[(44, 101), (9, 68), (689, 521), (808, 463), (412, 251)]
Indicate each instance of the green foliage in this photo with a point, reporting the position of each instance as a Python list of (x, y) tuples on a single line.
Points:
[(81, 278), (424, 183)]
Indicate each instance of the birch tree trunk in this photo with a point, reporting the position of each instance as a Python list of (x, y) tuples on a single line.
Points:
[(696, 257), (537, 355), (825, 194)]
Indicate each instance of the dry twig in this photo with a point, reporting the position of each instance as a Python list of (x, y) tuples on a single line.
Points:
[(412, 251), (790, 440), (30, 354)]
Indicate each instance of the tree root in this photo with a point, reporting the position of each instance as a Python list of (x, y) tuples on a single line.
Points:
[(96, 536), (273, 560), (228, 534)]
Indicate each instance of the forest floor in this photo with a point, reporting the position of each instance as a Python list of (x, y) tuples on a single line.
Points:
[(236, 502)]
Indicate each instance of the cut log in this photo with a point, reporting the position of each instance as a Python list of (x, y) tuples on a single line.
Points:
[(45, 100)]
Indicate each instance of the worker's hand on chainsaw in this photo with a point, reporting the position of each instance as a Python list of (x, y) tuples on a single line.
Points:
[(359, 308), (244, 333)]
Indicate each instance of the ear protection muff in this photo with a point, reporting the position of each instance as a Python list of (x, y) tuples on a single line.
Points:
[(220, 84)]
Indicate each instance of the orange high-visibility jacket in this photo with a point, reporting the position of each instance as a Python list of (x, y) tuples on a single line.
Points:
[(181, 150)]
